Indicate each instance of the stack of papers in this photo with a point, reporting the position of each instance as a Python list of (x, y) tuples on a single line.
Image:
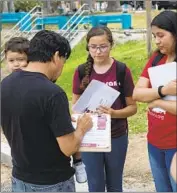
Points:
[(162, 75), (96, 94)]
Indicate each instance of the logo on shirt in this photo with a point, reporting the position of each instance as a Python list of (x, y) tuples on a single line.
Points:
[(160, 116), (112, 83)]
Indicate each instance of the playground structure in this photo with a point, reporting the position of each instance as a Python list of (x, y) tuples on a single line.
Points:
[(73, 27), (60, 21)]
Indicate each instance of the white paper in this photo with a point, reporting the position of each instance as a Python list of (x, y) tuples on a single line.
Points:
[(100, 134), (162, 75), (96, 94)]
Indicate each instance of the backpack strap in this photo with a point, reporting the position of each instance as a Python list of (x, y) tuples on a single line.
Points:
[(120, 76), (81, 70), (157, 59)]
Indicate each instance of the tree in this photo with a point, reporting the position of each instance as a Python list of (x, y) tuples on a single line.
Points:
[(47, 6), (5, 6), (25, 5), (11, 6), (73, 5), (1, 8), (113, 6)]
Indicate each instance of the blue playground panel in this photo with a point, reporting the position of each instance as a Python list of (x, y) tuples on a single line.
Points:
[(60, 21), (95, 20), (103, 20), (13, 17)]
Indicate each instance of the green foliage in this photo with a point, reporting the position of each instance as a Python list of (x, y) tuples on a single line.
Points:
[(25, 5)]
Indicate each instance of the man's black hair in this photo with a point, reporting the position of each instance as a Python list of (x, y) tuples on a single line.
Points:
[(44, 45)]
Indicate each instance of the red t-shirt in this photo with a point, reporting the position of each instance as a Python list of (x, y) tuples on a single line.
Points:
[(161, 126), (118, 126)]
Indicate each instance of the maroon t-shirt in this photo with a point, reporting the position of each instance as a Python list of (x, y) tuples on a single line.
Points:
[(118, 126)]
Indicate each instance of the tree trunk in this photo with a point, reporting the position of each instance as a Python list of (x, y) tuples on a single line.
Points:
[(1, 7), (73, 5), (90, 3), (113, 6), (5, 6), (46, 7), (11, 6)]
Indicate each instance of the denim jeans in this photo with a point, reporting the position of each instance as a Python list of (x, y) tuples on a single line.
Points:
[(20, 186), (106, 169), (160, 161)]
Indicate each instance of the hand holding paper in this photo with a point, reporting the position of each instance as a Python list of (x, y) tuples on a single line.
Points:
[(106, 110), (96, 94)]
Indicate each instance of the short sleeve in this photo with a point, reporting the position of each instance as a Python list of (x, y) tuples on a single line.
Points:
[(148, 65), (76, 83), (58, 115), (128, 84)]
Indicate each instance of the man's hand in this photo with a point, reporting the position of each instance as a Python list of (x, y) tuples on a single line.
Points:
[(84, 123)]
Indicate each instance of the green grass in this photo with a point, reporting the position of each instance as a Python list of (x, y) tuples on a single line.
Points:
[(139, 19), (132, 53)]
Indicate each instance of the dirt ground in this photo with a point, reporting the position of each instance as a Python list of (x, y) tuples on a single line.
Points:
[(137, 175)]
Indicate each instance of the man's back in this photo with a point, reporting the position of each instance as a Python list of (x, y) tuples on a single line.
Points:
[(34, 112)]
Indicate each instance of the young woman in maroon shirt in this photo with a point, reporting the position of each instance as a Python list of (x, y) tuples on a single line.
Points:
[(106, 169)]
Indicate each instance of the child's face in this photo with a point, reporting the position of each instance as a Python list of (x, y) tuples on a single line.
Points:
[(16, 60)]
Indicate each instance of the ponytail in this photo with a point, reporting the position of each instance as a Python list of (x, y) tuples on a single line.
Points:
[(88, 69)]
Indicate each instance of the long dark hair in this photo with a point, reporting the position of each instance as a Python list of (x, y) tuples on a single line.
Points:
[(95, 31), (167, 20)]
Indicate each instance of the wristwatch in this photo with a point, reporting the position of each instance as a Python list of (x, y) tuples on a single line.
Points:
[(160, 91)]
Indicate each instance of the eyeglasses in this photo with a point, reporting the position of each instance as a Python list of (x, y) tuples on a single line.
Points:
[(94, 48)]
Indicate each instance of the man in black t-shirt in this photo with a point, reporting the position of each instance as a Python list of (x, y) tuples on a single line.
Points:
[(36, 121)]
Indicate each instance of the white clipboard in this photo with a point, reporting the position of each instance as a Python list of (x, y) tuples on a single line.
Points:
[(98, 138)]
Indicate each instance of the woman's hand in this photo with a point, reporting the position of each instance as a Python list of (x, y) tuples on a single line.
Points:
[(170, 88), (153, 104), (106, 110)]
